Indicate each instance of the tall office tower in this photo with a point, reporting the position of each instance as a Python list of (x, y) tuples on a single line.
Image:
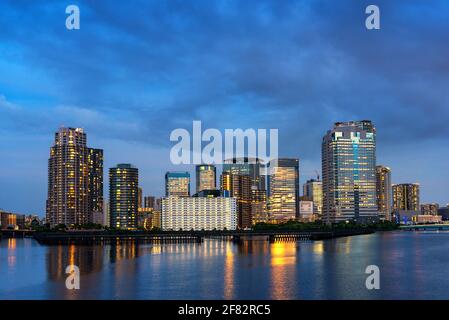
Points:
[(251, 167), (140, 197), (123, 196), (95, 160), (349, 173), (177, 184), (283, 189), (430, 209), (406, 197), (205, 177), (239, 186), (75, 179), (248, 184), (383, 192), (259, 211), (313, 190)]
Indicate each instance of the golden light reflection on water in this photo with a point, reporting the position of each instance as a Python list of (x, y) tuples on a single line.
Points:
[(12, 252), (318, 247), (283, 269), (229, 272)]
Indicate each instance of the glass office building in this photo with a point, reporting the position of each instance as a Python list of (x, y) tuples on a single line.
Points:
[(283, 190), (177, 184), (205, 177), (349, 173)]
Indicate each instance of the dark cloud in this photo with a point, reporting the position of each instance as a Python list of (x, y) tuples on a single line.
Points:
[(138, 70)]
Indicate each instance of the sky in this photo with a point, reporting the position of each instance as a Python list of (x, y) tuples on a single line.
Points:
[(136, 70)]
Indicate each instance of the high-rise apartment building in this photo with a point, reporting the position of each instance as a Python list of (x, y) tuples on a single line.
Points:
[(313, 190), (95, 160), (349, 173), (123, 196), (205, 177), (383, 192), (177, 184), (75, 179), (406, 197), (283, 189)]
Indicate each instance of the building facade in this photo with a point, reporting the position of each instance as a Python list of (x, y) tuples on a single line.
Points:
[(349, 173), (12, 221), (177, 184), (206, 177), (75, 179), (244, 179), (199, 213), (96, 201), (313, 190), (406, 197), (384, 192), (123, 196), (430, 209), (238, 186), (283, 189)]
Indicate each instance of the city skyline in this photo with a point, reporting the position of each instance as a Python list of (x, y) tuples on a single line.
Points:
[(128, 95), (192, 182)]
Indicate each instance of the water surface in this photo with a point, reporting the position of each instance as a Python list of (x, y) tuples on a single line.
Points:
[(413, 265)]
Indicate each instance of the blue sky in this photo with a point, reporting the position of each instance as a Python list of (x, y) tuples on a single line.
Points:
[(136, 70)]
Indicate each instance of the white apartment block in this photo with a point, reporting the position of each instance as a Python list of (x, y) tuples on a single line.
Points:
[(199, 213)]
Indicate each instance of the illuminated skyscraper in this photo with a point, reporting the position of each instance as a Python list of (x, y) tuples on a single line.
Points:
[(95, 159), (177, 184), (239, 186), (313, 190), (283, 189), (75, 179), (205, 177), (243, 179), (406, 197), (349, 173), (123, 196), (383, 191)]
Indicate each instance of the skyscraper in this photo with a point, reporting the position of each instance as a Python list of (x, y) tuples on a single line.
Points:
[(244, 179), (406, 197), (177, 184), (349, 173), (205, 177), (313, 190), (283, 189), (75, 179), (239, 186), (123, 196), (95, 160), (383, 192)]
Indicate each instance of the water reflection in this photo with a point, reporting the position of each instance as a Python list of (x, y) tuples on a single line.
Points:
[(330, 269)]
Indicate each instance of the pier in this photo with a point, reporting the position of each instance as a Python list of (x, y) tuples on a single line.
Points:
[(93, 237)]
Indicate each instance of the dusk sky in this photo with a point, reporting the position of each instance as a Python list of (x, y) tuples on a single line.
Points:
[(136, 70)]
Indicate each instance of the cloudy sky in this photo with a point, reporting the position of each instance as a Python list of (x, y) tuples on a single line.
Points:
[(136, 70)]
